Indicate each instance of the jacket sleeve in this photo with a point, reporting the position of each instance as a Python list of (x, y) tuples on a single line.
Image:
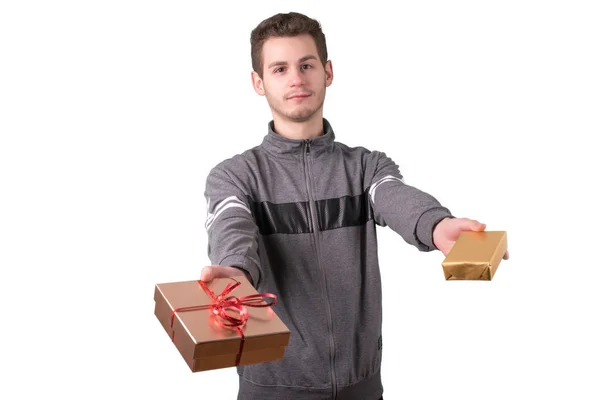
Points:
[(232, 231), (410, 212)]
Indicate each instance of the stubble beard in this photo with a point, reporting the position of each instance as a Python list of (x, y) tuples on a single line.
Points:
[(302, 114)]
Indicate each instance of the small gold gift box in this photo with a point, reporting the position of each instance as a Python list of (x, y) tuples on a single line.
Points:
[(475, 256)]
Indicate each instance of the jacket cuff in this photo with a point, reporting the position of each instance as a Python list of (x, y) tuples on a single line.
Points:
[(426, 224), (245, 264)]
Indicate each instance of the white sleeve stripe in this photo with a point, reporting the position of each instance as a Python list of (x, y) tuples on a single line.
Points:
[(210, 216), (388, 178), (225, 201), (222, 207), (218, 207)]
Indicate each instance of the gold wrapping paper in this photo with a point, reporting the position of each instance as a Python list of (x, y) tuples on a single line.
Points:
[(475, 256)]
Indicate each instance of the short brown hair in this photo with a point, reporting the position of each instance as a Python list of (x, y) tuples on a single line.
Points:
[(285, 25)]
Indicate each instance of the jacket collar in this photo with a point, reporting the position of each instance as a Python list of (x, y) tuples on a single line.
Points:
[(278, 145)]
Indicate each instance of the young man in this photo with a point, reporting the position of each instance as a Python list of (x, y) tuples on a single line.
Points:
[(298, 215)]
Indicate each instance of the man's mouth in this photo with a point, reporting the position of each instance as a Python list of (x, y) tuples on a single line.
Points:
[(298, 96)]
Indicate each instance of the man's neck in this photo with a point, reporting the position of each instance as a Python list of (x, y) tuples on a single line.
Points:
[(299, 130)]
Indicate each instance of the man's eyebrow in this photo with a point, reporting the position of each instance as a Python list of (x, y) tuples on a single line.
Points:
[(305, 58)]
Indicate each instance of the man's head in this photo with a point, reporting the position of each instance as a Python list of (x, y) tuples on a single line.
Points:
[(289, 59)]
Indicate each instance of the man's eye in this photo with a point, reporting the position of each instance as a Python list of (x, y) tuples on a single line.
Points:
[(280, 69), (306, 66)]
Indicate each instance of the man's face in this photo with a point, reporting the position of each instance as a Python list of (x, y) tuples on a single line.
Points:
[(294, 79)]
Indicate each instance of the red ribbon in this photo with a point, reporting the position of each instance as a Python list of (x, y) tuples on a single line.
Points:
[(221, 303)]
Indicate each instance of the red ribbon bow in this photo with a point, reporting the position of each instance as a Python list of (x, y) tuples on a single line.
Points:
[(221, 303)]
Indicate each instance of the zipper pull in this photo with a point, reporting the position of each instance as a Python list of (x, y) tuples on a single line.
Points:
[(307, 146)]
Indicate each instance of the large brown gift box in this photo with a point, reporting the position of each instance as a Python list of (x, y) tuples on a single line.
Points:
[(197, 330), (476, 255)]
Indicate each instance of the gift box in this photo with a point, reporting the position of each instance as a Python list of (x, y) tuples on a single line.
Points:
[(476, 255), (220, 324)]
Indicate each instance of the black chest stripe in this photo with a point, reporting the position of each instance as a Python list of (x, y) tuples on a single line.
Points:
[(293, 218)]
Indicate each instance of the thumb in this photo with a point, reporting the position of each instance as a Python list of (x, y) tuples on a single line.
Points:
[(208, 274), (472, 225)]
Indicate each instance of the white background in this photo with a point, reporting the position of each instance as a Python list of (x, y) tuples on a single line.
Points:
[(112, 113)]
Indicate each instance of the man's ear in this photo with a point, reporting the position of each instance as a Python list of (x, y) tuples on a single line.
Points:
[(328, 73), (257, 84)]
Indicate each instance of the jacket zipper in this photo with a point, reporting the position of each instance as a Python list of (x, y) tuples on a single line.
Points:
[(315, 225)]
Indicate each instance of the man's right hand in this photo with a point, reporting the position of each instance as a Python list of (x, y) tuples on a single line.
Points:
[(219, 271)]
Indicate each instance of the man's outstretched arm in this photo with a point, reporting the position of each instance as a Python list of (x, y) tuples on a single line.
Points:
[(410, 212), (415, 215), (232, 231)]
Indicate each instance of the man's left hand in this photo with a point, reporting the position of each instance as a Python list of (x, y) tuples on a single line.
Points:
[(448, 230)]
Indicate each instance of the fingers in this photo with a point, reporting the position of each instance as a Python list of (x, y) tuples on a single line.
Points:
[(505, 255), (218, 271)]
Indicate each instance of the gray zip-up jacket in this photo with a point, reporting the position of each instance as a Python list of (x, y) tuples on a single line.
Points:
[(300, 216)]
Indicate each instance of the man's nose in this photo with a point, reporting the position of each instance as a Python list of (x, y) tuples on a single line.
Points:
[(296, 77)]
